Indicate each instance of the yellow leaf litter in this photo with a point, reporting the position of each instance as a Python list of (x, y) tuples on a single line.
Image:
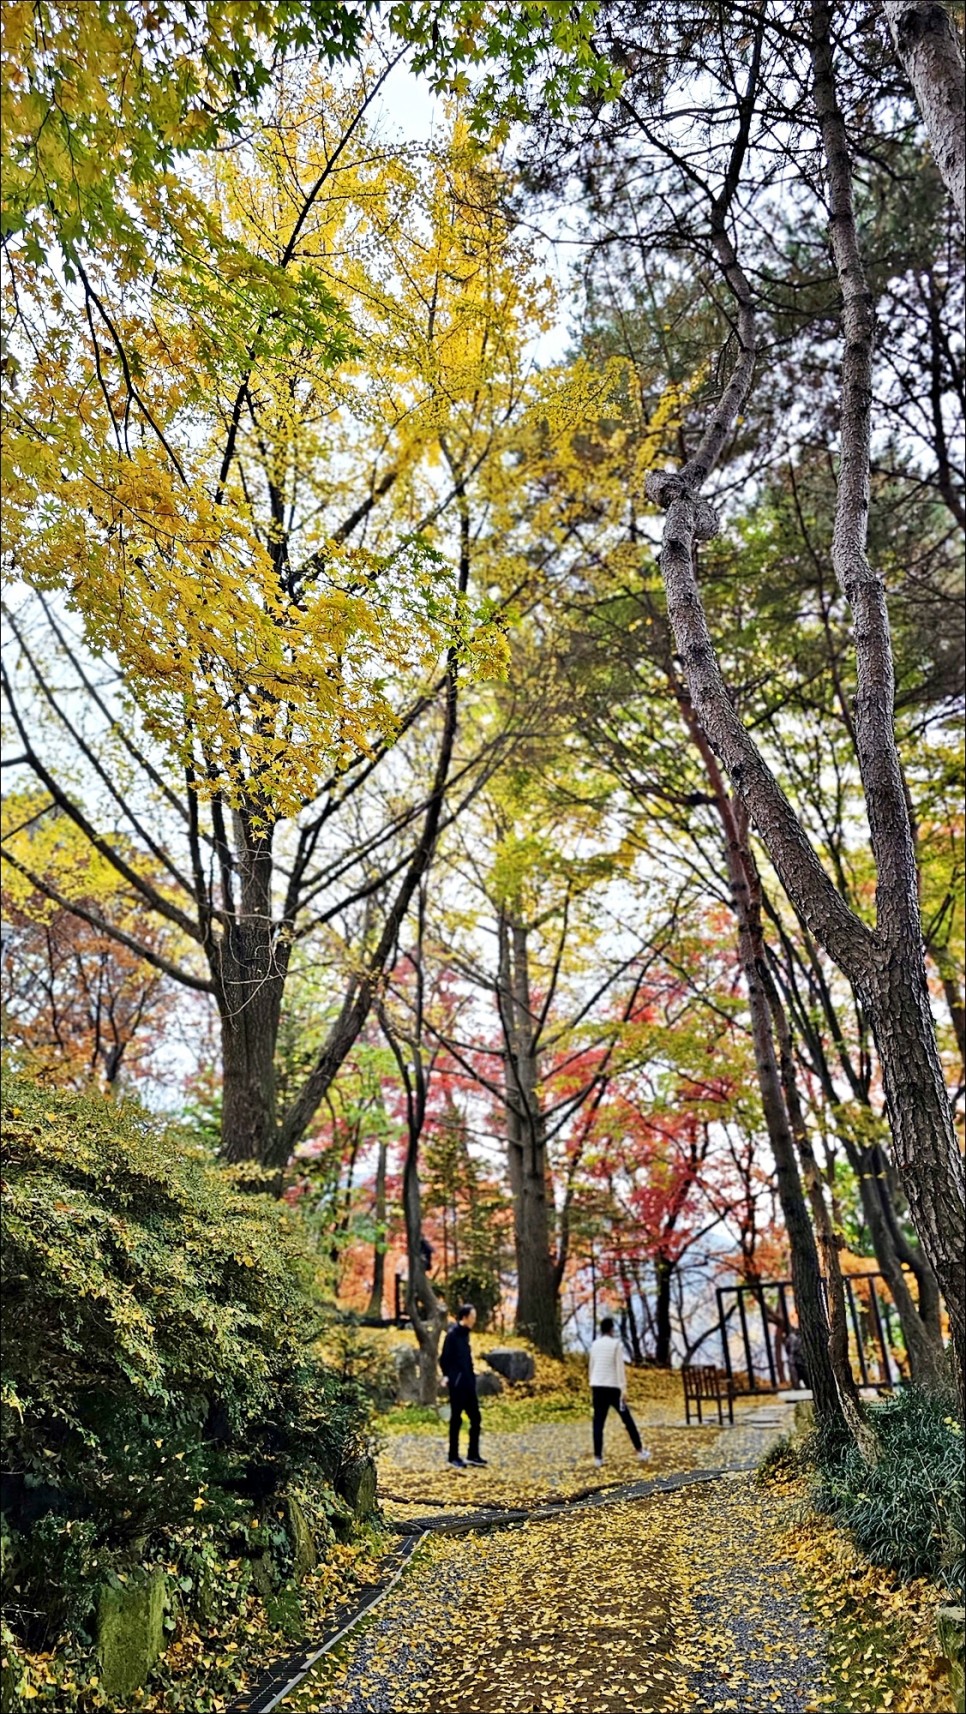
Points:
[(725, 1595)]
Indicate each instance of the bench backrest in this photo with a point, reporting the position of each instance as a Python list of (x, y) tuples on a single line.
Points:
[(701, 1380)]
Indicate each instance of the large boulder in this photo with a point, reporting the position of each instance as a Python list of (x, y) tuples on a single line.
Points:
[(406, 1364), (130, 1632), (513, 1365), (950, 1623), (487, 1386)]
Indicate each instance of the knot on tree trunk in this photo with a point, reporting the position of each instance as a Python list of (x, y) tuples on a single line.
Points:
[(666, 486), (916, 22)]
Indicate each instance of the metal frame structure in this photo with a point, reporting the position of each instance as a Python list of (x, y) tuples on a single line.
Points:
[(879, 1336)]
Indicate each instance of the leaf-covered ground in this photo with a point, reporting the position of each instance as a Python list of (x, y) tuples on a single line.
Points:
[(724, 1596), (544, 1461)]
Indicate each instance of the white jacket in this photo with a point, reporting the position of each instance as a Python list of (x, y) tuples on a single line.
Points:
[(607, 1362)]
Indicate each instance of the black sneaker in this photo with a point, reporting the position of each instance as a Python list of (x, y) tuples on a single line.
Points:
[(477, 1463), (457, 1464)]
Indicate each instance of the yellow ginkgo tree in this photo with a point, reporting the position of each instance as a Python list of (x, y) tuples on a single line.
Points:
[(248, 570)]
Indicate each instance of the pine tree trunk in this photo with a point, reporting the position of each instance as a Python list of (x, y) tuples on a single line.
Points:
[(928, 45), (885, 965), (924, 1144), (920, 1327), (825, 1239), (836, 1406)]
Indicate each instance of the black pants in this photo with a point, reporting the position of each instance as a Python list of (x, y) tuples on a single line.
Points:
[(603, 1398), (462, 1397)]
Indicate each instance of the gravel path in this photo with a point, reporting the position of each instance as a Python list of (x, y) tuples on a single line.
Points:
[(763, 1651), (689, 1602), (677, 1603)]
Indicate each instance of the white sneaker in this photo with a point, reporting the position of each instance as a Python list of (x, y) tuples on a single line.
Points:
[(599, 1463), (643, 1457)]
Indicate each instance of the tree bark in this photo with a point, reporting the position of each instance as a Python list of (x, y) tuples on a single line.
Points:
[(927, 43), (427, 1313), (922, 1340), (249, 967), (538, 1303), (663, 1275), (875, 1176), (379, 1248), (826, 1241)]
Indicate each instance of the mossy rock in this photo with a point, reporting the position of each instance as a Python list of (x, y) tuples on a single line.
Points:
[(207, 1594), (358, 1486), (130, 1632), (304, 1552), (284, 1611), (950, 1623), (266, 1575), (342, 1521)]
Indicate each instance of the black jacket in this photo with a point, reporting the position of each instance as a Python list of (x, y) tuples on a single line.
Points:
[(456, 1360)]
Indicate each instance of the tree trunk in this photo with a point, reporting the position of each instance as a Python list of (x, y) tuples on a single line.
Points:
[(924, 1143), (538, 1302), (427, 1312), (909, 1253), (379, 1248), (952, 989), (663, 1274), (250, 987), (927, 43), (924, 1349), (249, 967), (836, 1403), (878, 1185), (633, 1332), (826, 1241)]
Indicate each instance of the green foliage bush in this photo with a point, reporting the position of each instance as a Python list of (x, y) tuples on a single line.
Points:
[(160, 1383), (362, 1362), (906, 1510), (476, 1286)]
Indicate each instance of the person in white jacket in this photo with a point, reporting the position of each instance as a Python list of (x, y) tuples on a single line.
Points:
[(609, 1388)]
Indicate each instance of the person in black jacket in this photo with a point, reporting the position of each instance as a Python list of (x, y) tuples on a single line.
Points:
[(456, 1362)]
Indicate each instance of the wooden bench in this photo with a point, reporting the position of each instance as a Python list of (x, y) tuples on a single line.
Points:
[(703, 1382)]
